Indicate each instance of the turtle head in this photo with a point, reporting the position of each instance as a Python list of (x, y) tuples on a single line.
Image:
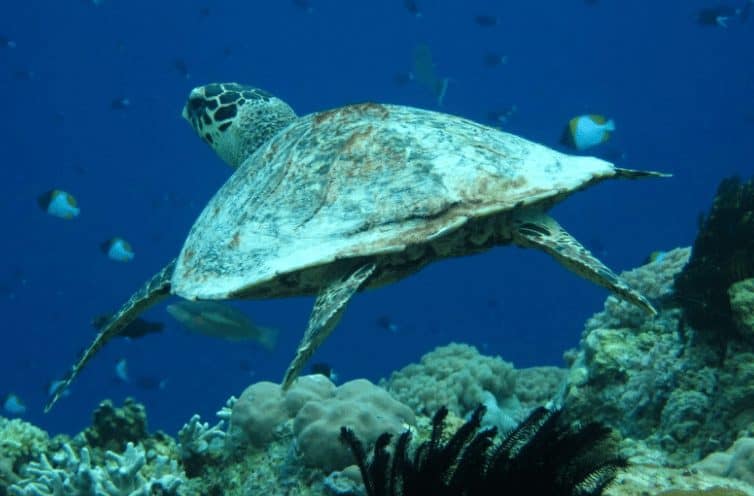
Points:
[(235, 119)]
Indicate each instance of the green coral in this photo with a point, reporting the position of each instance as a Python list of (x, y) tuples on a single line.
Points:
[(20, 442)]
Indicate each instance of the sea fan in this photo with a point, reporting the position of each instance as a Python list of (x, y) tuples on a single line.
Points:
[(541, 456)]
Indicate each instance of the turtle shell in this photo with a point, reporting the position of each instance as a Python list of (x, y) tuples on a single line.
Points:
[(359, 181)]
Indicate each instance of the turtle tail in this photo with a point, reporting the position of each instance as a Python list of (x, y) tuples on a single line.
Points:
[(638, 174), (149, 294)]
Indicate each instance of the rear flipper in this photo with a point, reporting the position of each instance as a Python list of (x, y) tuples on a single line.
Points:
[(638, 174), (535, 229), (327, 311), (152, 292)]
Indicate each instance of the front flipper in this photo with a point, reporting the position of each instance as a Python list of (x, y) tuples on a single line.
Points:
[(327, 311), (157, 288), (535, 229)]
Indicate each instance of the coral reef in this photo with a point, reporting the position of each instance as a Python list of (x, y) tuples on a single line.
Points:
[(112, 428), (346, 482), (114, 456), (262, 411), (313, 410), (455, 376), (20, 442), (737, 462), (721, 256), (69, 474), (203, 463), (257, 415), (535, 386), (365, 408), (741, 296), (712, 491), (645, 480), (199, 444), (540, 456), (654, 280), (656, 381)]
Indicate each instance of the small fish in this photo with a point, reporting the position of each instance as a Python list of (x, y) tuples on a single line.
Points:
[(220, 320), (121, 370), (6, 42), (494, 59), (502, 115), (403, 78), (13, 405), (205, 12), (181, 66), (118, 249), (59, 204), (120, 103), (136, 329), (487, 21), (720, 16), (323, 368), (586, 131), (412, 7), (386, 323), (151, 383), (424, 73), (53, 387)]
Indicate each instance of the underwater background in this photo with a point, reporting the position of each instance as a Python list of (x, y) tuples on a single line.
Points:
[(92, 96)]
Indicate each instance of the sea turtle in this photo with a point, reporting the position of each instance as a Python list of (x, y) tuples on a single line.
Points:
[(358, 197)]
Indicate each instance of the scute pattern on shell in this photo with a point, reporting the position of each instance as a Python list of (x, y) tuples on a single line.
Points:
[(363, 180)]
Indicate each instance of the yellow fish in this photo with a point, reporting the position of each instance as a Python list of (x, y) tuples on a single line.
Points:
[(586, 131), (59, 203), (118, 249)]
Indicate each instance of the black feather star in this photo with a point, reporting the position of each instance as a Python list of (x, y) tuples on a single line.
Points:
[(541, 456)]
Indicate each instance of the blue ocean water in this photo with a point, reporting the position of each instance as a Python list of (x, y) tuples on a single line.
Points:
[(681, 94)]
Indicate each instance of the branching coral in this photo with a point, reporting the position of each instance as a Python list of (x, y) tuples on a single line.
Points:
[(71, 474), (198, 443)]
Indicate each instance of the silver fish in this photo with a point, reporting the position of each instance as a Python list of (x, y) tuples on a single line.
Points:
[(220, 320)]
